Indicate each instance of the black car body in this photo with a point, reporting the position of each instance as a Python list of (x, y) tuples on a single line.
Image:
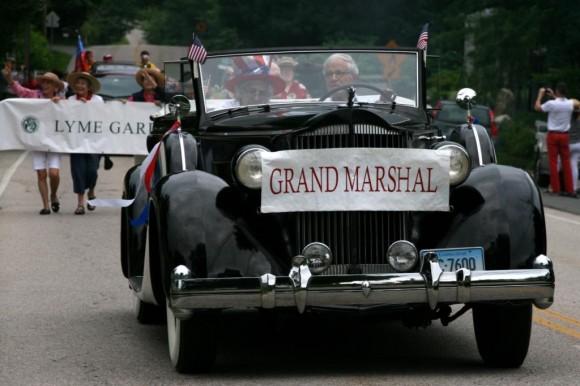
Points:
[(242, 212)]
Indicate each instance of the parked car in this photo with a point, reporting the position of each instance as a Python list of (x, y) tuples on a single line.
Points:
[(117, 79), (353, 206), (542, 165), (448, 115)]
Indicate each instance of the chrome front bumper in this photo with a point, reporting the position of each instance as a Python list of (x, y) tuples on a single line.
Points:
[(301, 289)]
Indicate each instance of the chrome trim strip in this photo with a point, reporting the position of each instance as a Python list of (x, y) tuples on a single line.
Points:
[(182, 149), (300, 289), (478, 144)]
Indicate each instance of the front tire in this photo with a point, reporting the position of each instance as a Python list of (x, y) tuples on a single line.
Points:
[(147, 313), (192, 342), (502, 333)]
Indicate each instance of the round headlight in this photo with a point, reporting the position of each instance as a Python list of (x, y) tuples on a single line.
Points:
[(248, 167), (460, 163), (318, 257), (402, 256)]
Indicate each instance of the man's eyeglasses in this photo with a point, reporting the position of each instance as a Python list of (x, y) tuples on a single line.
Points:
[(338, 74)]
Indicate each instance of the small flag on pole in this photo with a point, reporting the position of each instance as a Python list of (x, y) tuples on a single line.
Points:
[(80, 61), (197, 52), (424, 37)]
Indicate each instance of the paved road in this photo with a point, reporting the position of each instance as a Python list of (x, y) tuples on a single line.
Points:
[(66, 314), (130, 51)]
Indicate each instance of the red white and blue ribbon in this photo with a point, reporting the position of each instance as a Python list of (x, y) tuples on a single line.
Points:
[(145, 175)]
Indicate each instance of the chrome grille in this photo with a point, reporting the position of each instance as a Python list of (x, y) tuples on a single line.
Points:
[(330, 137), (358, 240)]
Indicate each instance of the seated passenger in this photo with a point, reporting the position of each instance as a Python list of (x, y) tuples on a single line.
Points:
[(293, 88), (339, 69), (253, 84)]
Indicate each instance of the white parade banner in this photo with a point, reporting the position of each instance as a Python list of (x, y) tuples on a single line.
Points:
[(353, 179), (71, 126)]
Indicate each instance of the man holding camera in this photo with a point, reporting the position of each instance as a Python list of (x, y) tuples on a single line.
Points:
[(559, 110)]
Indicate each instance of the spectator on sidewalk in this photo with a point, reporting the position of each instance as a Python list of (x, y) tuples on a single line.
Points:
[(559, 111)]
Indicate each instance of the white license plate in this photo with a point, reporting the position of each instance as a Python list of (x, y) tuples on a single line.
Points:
[(453, 259)]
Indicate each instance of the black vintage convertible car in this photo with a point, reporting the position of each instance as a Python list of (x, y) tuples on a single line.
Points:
[(313, 180)]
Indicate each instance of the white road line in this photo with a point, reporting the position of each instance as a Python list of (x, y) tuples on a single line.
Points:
[(10, 171), (563, 219)]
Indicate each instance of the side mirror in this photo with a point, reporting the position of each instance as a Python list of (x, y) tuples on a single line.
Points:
[(466, 98)]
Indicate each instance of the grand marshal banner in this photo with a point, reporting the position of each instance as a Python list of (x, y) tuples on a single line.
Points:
[(71, 126)]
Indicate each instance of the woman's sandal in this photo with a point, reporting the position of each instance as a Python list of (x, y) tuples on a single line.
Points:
[(55, 207), (80, 210), (44, 211), (89, 206)]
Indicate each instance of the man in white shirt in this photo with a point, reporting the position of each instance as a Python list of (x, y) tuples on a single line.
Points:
[(559, 112)]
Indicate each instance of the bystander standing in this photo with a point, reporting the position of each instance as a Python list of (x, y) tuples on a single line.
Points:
[(558, 141)]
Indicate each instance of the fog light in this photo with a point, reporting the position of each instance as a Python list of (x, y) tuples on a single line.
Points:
[(402, 256), (318, 257)]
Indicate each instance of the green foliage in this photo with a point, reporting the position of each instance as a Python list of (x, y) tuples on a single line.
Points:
[(519, 44), (517, 138)]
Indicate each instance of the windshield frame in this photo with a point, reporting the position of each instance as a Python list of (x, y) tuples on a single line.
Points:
[(414, 67)]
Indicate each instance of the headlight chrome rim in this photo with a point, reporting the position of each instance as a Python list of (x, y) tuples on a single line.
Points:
[(248, 166), (402, 250), (318, 257), (459, 163)]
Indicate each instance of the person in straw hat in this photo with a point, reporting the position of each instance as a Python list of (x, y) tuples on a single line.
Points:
[(152, 82), (46, 163), (293, 89), (84, 166)]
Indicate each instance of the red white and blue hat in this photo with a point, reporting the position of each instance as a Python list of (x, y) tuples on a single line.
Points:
[(254, 67)]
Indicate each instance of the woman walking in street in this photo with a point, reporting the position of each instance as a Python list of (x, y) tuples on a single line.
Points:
[(50, 88), (84, 166)]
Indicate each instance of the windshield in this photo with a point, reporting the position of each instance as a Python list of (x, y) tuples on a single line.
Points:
[(290, 77)]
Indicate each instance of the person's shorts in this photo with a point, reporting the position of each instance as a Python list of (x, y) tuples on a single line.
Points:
[(45, 160)]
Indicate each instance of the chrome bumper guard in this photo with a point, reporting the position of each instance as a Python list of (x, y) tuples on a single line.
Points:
[(301, 289)]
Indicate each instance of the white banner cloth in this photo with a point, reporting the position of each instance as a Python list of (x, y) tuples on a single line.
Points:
[(71, 126), (355, 179)]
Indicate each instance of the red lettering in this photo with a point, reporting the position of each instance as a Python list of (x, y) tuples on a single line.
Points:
[(351, 183), (380, 176), (392, 177), (335, 170), (429, 188), (367, 181), (288, 176), (279, 190), (318, 179), (302, 181), (402, 178), (418, 181)]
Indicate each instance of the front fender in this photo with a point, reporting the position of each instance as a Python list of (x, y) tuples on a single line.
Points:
[(477, 142), (133, 237), (195, 232), (498, 208)]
